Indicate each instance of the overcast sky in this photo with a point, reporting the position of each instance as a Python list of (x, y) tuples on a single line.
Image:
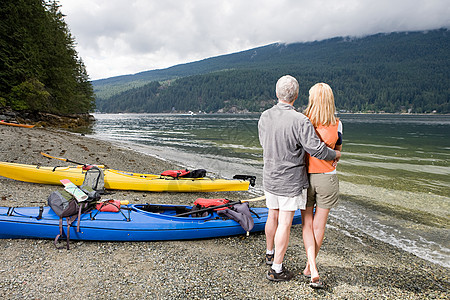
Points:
[(119, 37)]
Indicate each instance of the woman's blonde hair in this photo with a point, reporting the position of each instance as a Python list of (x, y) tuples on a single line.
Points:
[(321, 109)]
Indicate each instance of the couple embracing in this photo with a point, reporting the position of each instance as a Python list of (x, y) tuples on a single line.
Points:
[(300, 154)]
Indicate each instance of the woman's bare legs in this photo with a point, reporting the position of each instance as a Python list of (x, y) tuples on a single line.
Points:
[(309, 242), (313, 234)]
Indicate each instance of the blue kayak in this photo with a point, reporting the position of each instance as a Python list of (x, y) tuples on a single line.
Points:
[(134, 222)]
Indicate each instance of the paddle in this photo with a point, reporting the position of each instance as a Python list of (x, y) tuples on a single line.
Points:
[(61, 158), (220, 206)]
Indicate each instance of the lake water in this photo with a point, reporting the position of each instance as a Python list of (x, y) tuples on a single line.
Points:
[(394, 173)]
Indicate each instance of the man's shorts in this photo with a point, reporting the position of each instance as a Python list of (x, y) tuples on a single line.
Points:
[(323, 190), (286, 203)]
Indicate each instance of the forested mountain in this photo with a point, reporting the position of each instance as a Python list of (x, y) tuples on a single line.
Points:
[(396, 72), (39, 67)]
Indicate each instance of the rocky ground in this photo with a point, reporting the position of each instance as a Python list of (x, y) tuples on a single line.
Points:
[(41, 119), (353, 265)]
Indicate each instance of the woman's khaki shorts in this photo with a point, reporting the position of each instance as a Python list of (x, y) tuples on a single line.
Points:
[(323, 190)]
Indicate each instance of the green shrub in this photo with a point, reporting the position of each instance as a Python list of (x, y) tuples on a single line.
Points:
[(30, 94)]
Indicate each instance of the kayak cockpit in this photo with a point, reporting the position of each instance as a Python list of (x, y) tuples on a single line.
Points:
[(167, 210)]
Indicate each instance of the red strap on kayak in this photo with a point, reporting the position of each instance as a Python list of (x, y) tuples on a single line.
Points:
[(175, 173), (211, 202)]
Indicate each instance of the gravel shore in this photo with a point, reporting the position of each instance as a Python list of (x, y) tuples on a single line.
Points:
[(353, 265)]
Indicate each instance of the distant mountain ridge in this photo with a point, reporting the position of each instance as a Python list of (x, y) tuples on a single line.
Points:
[(207, 65), (404, 71)]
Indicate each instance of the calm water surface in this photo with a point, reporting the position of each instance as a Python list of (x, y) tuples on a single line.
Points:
[(394, 173)]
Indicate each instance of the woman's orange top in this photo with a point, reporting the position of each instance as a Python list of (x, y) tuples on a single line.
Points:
[(329, 135)]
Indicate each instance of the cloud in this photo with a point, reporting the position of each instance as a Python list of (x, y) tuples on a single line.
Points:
[(116, 37)]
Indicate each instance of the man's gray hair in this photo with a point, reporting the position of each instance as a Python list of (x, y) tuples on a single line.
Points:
[(287, 89)]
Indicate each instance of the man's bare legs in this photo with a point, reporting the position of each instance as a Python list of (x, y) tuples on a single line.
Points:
[(282, 234), (278, 229), (271, 228)]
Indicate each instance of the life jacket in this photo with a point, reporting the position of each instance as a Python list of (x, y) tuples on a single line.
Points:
[(175, 173), (329, 135), (185, 173), (204, 203)]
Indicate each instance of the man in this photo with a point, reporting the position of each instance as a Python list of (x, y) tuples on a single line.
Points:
[(285, 136)]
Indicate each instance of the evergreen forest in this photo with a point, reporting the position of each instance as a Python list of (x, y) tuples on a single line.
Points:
[(395, 72), (39, 67)]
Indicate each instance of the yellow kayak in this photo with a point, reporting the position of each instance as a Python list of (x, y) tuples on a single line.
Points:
[(120, 180)]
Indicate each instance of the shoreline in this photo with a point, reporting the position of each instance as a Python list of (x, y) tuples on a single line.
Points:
[(353, 265), (257, 113)]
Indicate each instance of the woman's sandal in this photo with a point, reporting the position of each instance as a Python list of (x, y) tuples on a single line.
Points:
[(316, 285)]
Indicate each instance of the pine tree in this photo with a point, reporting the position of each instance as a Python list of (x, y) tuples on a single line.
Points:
[(40, 68)]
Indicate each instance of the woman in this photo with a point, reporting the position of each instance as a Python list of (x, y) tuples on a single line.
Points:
[(324, 186)]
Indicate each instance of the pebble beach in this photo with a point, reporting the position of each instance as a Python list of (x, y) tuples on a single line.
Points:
[(352, 265)]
